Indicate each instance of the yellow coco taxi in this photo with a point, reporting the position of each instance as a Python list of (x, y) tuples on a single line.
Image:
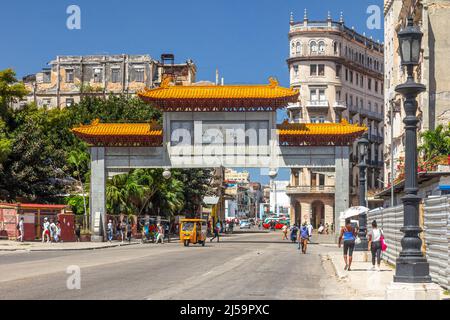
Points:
[(193, 231)]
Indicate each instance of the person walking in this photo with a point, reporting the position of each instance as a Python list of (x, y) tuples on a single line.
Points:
[(78, 232), (285, 231), (216, 232), (303, 237), (160, 235), (375, 245), (57, 234), (294, 231), (52, 230), (129, 231), (109, 230), (21, 228), (46, 230), (348, 234), (123, 230), (310, 230)]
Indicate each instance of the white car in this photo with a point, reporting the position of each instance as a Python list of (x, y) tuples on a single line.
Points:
[(245, 224)]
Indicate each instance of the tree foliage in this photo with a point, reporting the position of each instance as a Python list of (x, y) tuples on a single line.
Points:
[(435, 142), (41, 159)]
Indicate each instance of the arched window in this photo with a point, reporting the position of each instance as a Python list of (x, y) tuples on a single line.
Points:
[(298, 48), (313, 47), (321, 47)]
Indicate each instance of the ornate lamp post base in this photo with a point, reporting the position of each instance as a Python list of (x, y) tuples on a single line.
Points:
[(413, 291)]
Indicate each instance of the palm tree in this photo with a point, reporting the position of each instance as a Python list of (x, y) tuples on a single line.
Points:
[(77, 158), (435, 143)]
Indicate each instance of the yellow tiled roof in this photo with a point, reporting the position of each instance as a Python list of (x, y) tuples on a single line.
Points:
[(343, 128), (271, 91), (119, 129)]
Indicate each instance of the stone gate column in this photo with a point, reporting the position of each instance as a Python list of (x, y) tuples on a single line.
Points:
[(342, 182), (97, 200)]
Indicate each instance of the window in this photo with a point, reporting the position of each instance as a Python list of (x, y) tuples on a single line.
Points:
[(338, 70), (362, 81), (295, 69), (357, 79), (335, 47), (369, 84), (322, 95), (139, 74), (370, 105), (321, 69), (351, 100), (313, 95), (115, 75), (97, 75), (69, 75), (313, 70), (376, 86), (69, 102), (346, 74), (298, 48), (338, 95), (321, 119), (313, 47), (321, 47), (314, 119), (47, 77), (351, 76)]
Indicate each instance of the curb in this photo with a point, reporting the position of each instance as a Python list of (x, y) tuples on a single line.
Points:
[(69, 249), (339, 273)]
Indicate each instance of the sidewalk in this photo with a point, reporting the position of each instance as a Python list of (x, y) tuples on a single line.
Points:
[(368, 284), (61, 246)]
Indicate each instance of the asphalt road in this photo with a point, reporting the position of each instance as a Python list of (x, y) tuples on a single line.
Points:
[(247, 266)]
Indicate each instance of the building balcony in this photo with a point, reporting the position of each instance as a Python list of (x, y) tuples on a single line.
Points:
[(294, 106), (310, 189), (340, 106), (319, 104)]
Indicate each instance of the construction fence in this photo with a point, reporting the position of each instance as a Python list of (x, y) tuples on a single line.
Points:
[(434, 220)]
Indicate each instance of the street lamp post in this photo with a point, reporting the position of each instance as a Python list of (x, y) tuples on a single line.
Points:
[(363, 145), (411, 265), (273, 174)]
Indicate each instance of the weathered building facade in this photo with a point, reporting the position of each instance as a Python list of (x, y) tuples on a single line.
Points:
[(433, 17), (69, 78), (339, 74)]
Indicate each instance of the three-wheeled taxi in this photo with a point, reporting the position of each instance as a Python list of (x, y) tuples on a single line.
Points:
[(193, 231)]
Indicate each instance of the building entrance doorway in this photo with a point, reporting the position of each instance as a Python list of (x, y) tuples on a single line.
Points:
[(318, 214)]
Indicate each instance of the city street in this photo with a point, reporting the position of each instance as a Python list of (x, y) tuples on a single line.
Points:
[(244, 266)]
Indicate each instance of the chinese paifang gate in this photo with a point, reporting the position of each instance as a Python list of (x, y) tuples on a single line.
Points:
[(205, 115)]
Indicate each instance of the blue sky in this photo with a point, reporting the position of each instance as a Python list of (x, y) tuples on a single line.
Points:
[(245, 39)]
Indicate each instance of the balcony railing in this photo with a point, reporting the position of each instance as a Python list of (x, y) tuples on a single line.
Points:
[(340, 105), (294, 105), (309, 189), (317, 104)]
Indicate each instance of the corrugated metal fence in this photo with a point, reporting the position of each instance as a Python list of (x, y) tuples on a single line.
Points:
[(390, 220), (436, 234), (437, 238)]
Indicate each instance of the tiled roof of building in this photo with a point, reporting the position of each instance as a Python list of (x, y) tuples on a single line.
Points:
[(218, 98), (318, 134), (145, 134), (120, 134)]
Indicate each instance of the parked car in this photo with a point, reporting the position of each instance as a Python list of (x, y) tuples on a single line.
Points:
[(245, 224)]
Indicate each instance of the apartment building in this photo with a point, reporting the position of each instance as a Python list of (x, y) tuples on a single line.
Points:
[(69, 78), (433, 17), (339, 73)]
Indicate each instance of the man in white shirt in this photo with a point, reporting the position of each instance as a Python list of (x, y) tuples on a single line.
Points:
[(21, 230)]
